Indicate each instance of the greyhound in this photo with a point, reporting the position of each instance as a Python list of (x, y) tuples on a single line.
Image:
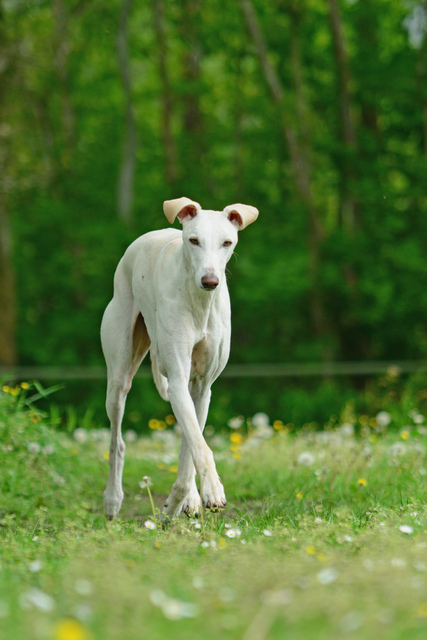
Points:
[(171, 298)]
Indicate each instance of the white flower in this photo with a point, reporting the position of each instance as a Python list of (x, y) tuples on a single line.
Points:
[(38, 599), (35, 566), (48, 449), (172, 608), (405, 528), (327, 576), (236, 423), (33, 447), (306, 459), (80, 435), (267, 533), (145, 482), (83, 587), (149, 524), (397, 449), (205, 544), (347, 429), (83, 611), (130, 436), (383, 418), (260, 420), (418, 418), (233, 533)]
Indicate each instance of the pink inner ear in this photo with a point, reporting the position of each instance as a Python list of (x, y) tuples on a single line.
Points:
[(236, 219), (189, 210)]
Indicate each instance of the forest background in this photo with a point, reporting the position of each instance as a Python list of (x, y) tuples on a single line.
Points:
[(314, 111)]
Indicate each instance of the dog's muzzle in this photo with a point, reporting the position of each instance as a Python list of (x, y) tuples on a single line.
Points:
[(210, 282)]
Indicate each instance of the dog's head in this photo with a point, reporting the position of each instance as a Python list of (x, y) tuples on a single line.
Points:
[(209, 237)]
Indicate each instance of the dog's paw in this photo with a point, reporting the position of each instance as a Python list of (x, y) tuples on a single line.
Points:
[(191, 504), (112, 504), (213, 495)]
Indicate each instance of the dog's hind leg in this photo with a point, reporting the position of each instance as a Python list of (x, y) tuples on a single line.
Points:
[(125, 343)]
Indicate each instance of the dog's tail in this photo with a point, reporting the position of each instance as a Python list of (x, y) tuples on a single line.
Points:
[(160, 380)]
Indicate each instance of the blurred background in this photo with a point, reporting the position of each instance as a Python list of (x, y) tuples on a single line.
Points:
[(314, 111)]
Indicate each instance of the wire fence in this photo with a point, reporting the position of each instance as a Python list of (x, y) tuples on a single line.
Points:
[(272, 370)]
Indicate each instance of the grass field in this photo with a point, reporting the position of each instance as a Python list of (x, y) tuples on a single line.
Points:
[(324, 535)]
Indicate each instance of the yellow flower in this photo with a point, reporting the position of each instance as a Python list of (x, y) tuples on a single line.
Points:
[(162, 425), (173, 468), (153, 423), (15, 391), (405, 435), (236, 455), (422, 610), (71, 630), (299, 495), (170, 420), (278, 425), (106, 455), (25, 385), (322, 557), (311, 550), (236, 438), (234, 447), (6, 389), (362, 481)]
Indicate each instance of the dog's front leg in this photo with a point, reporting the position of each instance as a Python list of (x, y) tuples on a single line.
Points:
[(212, 491)]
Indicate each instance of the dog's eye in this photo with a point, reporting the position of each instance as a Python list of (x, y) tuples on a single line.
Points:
[(194, 241), (227, 243)]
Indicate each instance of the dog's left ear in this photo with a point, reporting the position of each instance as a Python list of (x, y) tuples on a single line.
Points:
[(180, 208), (241, 215)]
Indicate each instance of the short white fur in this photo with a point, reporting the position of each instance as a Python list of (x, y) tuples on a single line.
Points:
[(171, 298)]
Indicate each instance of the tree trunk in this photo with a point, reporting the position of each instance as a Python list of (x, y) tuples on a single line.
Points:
[(126, 186), (7, 279), (348, 136), (300, 160), (167, 102)]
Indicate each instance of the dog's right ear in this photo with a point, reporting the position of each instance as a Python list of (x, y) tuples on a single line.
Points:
[(181, 208)]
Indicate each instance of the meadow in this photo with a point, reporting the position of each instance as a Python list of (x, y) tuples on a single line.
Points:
[(323, 537)]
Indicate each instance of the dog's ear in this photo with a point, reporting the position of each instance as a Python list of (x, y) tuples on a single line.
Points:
[(180, 208), (241, 215)]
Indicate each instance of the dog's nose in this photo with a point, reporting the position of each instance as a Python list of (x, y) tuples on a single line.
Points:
[(210, 282)]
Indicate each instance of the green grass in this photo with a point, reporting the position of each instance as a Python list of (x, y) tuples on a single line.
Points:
[(330, 549)]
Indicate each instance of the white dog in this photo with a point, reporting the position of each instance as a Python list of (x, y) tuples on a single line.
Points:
[(171, 297)]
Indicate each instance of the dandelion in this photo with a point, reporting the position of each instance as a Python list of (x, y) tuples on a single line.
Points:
[(25, 385), (362, 482), (153, 423), (5, 388), (236, 423), (70, 629), (48, 449), (299, 495), (145, 482), (405, 528), (236, 438), (33, 447), (383, 418), (306, 459), (149, 524), (260, 420)]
